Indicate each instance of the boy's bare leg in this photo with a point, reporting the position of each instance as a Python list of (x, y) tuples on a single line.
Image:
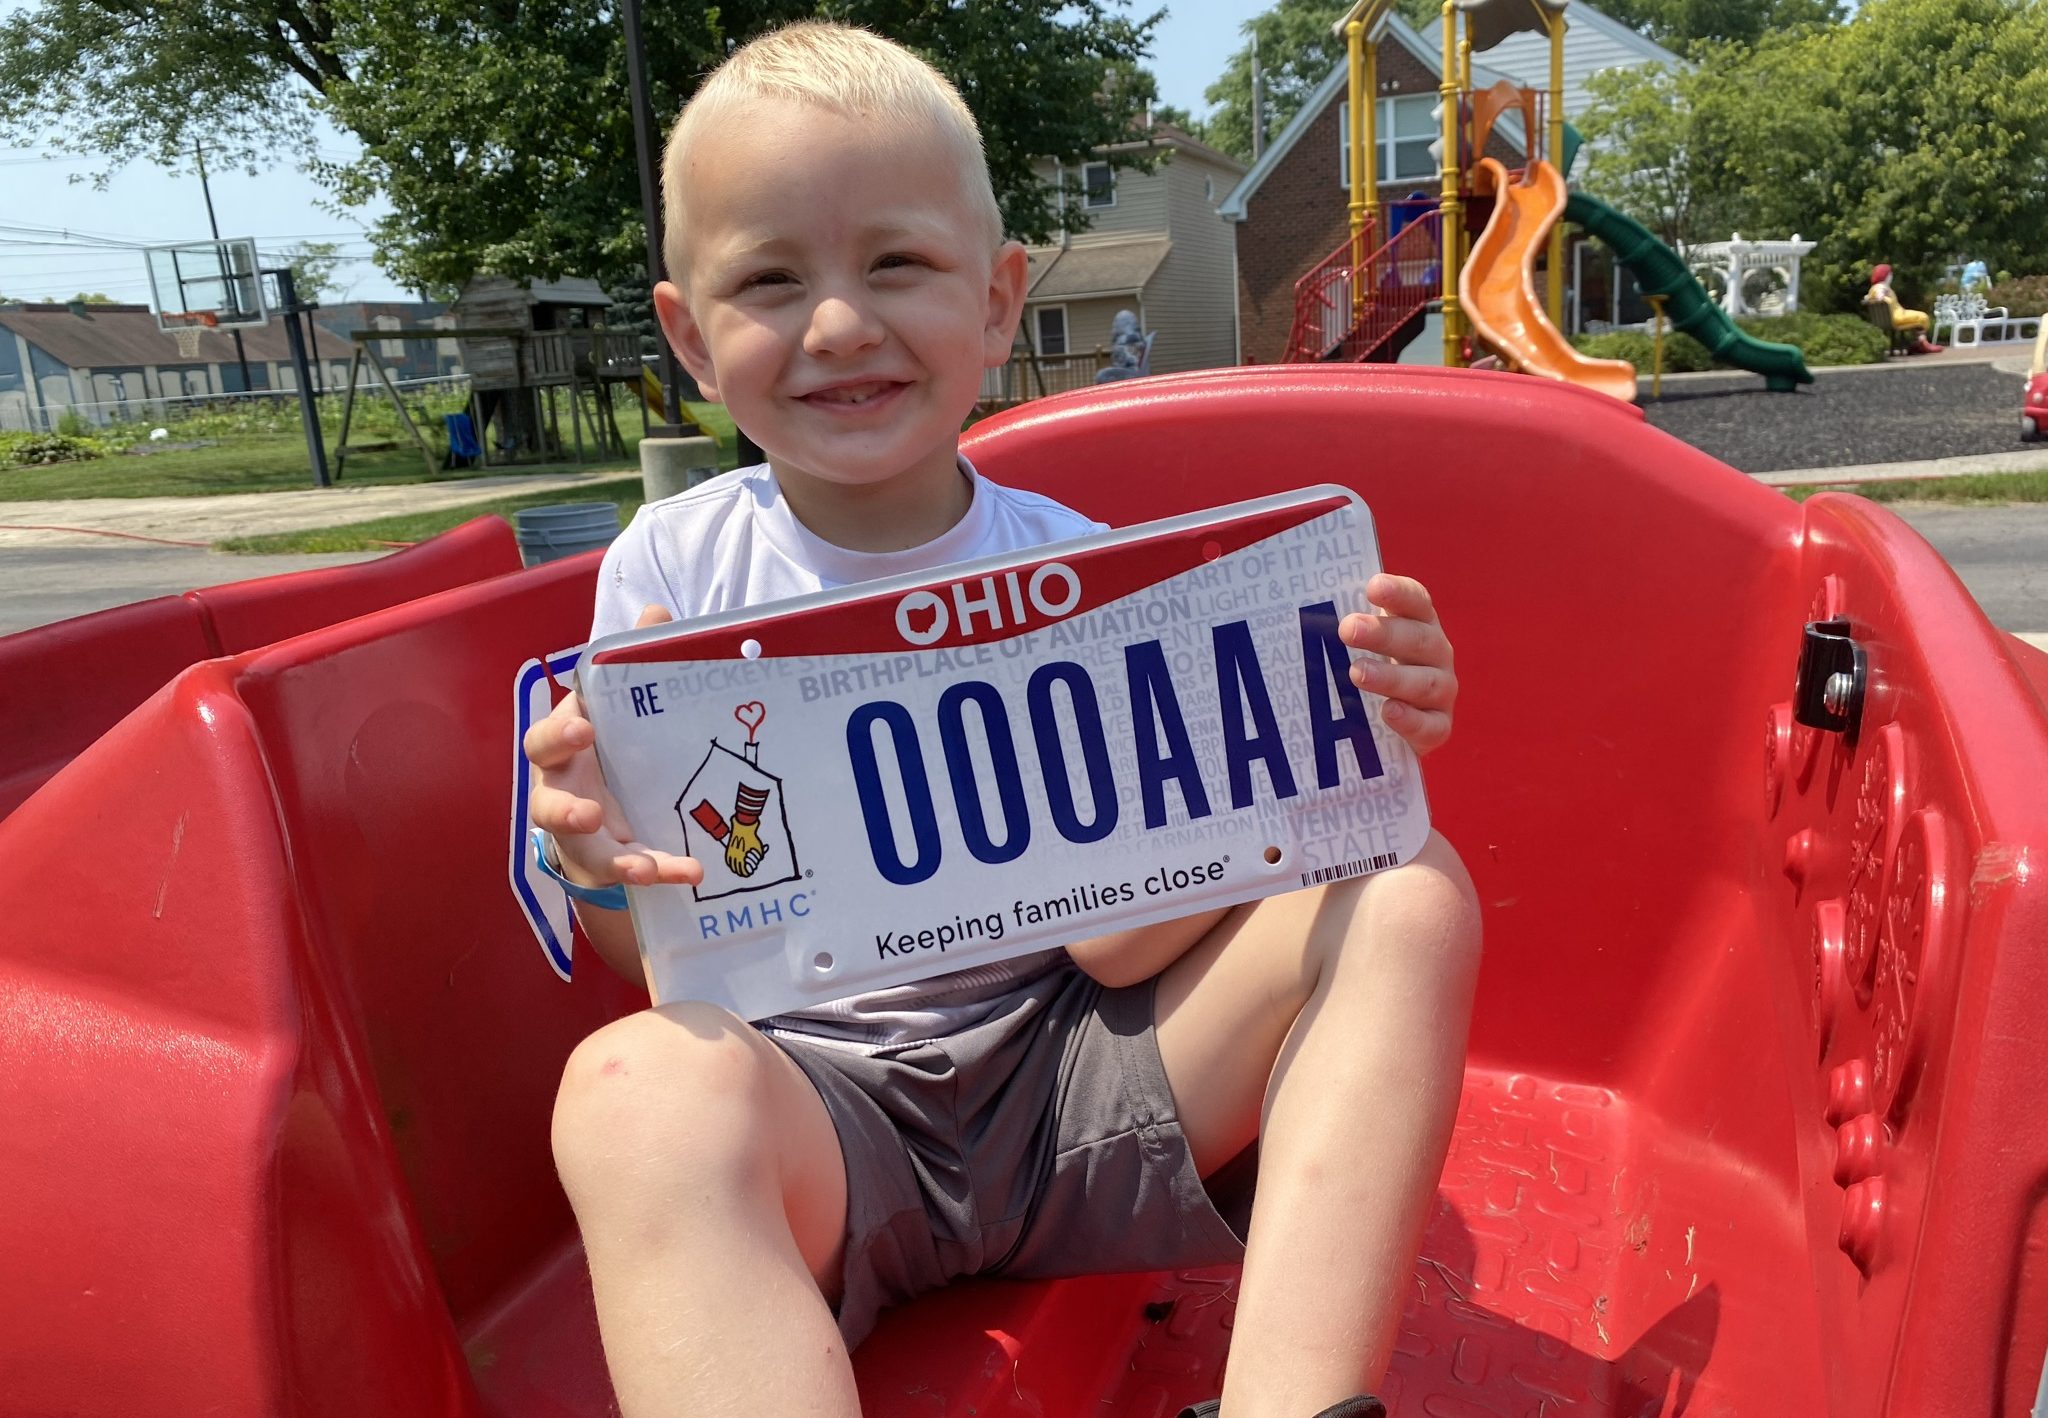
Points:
[(711, 1193), (1358, 997)]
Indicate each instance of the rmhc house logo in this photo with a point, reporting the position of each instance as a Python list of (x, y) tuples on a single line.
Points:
[(733, 818)]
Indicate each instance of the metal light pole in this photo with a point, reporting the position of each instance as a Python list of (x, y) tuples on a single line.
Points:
[(650, 208), (651, 218)]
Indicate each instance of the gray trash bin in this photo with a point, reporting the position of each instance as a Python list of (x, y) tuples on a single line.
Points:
[(564, 529)]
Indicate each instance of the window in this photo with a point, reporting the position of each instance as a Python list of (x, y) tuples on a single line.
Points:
[(1049, 325), (1098, 185), (1405, 132)]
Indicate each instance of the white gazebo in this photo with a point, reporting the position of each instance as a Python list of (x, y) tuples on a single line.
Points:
[(1732, 260)]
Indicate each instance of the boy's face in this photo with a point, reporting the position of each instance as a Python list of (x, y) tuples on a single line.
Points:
[(841, 298)]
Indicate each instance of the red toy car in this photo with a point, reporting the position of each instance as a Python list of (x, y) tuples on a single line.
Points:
[(1753, 1123), (2034, 412)]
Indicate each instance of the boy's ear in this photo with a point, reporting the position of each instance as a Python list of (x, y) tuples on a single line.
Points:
[(685, 336), (1006, 278)]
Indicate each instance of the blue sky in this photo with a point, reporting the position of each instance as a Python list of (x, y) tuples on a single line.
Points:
[(280, 207)]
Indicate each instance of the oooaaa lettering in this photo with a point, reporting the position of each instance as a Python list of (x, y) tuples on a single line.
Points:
[(1065, 720)]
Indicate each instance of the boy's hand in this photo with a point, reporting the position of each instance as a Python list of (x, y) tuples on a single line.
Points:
[(1420, 685), (573, 804)]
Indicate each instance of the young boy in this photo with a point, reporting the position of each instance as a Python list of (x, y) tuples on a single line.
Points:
[(750, 1198)]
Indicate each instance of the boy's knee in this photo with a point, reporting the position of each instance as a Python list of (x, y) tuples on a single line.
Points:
[(1426, 907), (671, 1091)]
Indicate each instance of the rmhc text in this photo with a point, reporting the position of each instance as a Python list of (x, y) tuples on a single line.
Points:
[(1247, 729)]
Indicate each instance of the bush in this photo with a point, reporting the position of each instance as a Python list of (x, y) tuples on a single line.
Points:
[(1682, 353), (2020, 295), (22, 450), (1823, 339)]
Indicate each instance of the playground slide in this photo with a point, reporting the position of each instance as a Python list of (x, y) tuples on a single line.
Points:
[(1498, 291), (1659, 271), (650, 395)]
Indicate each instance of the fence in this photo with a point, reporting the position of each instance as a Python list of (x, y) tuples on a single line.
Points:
[(255, 407), (1032, 376)]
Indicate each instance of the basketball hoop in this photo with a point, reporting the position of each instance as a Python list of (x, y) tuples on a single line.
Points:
[(191, 325)]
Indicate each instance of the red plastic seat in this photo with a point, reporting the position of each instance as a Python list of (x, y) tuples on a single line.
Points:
[(279, 1051), (78, 677)]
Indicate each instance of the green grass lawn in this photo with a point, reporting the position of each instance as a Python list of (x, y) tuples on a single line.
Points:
[(277, 462), (1979, 488)]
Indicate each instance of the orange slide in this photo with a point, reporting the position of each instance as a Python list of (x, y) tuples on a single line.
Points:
[(1497, 288)]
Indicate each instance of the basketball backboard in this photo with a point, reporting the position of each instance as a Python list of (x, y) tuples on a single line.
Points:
[(208, 284)]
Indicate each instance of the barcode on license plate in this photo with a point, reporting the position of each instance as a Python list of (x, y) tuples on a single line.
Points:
[(1344, 869)]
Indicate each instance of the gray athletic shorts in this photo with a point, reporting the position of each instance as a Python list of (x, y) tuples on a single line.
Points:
[(1041, 1142)]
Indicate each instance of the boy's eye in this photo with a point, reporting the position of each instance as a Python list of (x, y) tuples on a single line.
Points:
[(765, 278), (897, 260)]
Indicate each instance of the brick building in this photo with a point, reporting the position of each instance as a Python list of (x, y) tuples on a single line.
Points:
[(1291, 210)]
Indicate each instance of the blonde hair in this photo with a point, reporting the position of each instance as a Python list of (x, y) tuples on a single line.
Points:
[(838, 67)]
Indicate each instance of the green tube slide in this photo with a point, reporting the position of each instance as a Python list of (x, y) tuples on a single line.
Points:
[(1658, 271)]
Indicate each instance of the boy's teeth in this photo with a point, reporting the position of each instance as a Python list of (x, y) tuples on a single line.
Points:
[(858, 395)]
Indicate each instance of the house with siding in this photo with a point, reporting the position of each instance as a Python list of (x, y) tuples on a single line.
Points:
[(406, 359), (1291, 209), (110, 362), (1154, 245)]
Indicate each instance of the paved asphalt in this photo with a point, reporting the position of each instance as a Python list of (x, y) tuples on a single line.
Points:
[(2000, 552), (42, 584)]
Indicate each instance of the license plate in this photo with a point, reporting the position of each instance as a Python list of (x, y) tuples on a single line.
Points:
[(907, 777)]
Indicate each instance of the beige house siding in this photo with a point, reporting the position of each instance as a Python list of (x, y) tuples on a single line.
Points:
[(1167, 215), (1189, 301), (1139, 209)]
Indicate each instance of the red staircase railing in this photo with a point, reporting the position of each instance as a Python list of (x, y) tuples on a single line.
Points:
[(1348, 309)]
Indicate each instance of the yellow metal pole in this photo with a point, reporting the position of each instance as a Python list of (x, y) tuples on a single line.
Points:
[(1471, 139), (1657, 349), (1372, 134), (1361, 125), (1556, 291), (1449, 207)]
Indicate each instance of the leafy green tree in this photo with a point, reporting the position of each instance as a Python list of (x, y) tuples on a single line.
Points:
[(500, 134), (1296, 52), (312, 264), (1916, 133), (94, 298), (1645, 153), (1182, 119), (1681, 25)]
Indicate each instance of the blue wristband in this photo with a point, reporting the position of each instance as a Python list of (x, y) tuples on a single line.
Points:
[(605, 898)]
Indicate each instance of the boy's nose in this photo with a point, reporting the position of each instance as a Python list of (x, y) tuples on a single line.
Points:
[(840, 326)]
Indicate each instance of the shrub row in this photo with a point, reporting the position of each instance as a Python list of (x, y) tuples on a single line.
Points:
[(1824, 339)]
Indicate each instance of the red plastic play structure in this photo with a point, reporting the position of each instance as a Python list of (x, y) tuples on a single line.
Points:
[(88, 672), (1752, 1122)]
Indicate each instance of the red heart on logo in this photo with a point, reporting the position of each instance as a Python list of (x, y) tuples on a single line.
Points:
[(753, 714)]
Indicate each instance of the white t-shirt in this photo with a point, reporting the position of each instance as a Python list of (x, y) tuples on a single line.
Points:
[(733, 542)]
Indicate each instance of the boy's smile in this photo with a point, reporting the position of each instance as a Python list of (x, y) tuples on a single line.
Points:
[(842, 297)]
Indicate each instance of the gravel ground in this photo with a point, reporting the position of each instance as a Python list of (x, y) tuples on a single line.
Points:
[(1846, 417)]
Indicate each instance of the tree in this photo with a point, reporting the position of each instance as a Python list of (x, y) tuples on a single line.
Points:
[(312, 266), (1296, 52), (499, 133), (1644, 153), (1915, 133), (1181, 118), (1682, 25), (95, 298)]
